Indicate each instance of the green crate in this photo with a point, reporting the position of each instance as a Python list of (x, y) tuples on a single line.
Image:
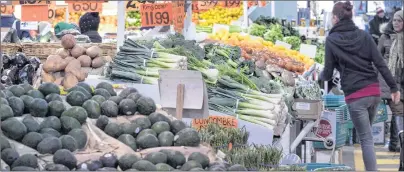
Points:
[(341, 134)]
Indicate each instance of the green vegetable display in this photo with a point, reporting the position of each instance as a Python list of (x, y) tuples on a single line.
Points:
[(258, 30), (294, 41), (274, 33)]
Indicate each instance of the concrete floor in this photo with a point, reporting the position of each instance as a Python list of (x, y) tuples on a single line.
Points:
[(386, 161)]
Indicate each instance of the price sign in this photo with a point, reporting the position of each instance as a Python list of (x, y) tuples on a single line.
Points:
[(6, 9), (179, 15), (252, 3), (206, 5), (225, 121), (34, 13), (32, 2), (158, 14), (232, 3), (85, 6)]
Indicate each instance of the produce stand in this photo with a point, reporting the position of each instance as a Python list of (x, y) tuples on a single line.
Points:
[(256, 71)]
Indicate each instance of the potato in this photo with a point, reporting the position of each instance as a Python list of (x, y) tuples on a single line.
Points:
[(63, 53), (53, 57), (77, 51), (59, 81), (69, 81), (68, 41), (54, 63), (97, 62), (82, 75), (93, 51), (74, 67), (68, 59), (85, 61), (46, 77)]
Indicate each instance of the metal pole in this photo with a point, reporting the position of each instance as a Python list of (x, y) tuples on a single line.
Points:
[(121, 24), (272, 8), (245, 12)]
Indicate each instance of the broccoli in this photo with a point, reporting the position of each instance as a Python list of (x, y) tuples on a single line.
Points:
[(146, 105)]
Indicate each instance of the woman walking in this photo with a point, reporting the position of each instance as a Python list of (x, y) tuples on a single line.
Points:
[(391, 47), (353, 53)]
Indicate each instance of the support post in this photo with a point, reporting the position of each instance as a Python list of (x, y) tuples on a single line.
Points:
[(121, 24)]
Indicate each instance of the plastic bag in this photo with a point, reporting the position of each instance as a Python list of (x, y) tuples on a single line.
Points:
[(20, 60), (9, 75), (35, 62), (6, 60), (26, 74)]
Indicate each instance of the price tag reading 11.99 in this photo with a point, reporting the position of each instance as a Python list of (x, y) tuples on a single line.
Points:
[(158, 14)]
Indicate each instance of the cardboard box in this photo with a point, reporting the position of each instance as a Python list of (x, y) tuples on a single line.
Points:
[(307, 109)]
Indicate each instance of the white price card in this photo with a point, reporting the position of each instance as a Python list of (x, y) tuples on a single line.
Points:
[(29, 25), (308, 50), (284, 44), (302, 106)]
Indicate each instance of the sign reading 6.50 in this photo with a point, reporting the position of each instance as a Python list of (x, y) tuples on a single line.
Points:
[(158, 14), (85, 7)]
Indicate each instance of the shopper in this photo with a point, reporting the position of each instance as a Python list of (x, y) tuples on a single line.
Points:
[(352, 52), (89, 24), (375, 23), (389, 34)]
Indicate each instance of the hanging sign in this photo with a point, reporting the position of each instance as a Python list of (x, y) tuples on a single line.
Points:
[(6, 9), (224, 121), (85, 6), (206, 5), (34, 13), (232, 3), (32, 2), (159, 14), (179, 15), (195, 8)]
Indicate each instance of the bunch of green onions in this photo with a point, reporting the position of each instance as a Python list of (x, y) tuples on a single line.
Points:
[(249, 105), (140, 64)]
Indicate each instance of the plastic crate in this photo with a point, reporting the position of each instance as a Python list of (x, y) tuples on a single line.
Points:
[(334, 100), (314, 166), (340, 141), (341, 127)]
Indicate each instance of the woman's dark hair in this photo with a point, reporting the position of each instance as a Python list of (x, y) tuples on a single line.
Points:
[(343, 10)]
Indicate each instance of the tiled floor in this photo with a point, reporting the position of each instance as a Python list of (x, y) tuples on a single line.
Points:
[(386, 161)]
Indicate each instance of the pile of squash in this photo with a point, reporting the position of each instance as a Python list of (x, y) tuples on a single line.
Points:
[(65, 67)]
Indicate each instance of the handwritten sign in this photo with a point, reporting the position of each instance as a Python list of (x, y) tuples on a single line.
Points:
[(32, 2), (179, 15), (225, 121), (159, 14), (232, 3), (34, 13), (6, 9), (206, 5), (89, 6)]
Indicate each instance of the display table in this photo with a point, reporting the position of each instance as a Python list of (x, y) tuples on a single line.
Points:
[(258, 134)]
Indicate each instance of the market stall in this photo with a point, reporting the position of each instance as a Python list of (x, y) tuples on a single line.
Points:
[(187, 85)]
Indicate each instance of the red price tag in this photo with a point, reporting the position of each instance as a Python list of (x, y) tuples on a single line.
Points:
[(158, 14), (89, 6), (6, 9), (206, 5), (179, 15), (34, 13), (232, 3), (32, 2)]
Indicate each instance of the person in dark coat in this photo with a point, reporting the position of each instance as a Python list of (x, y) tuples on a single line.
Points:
[(89, 24), (375, 23), (384, 46), (352, 52)]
